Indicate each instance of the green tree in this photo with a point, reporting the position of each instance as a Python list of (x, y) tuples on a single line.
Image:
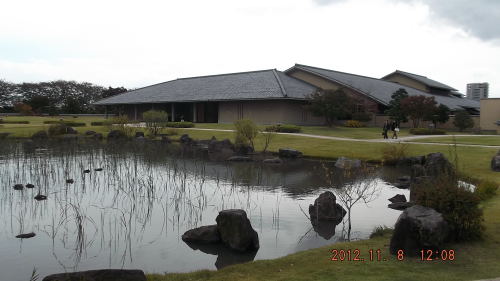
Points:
[(246, 132), (440, 115), (333, 105), (463, 120), (418, 107), (394, 111), (155, 120)]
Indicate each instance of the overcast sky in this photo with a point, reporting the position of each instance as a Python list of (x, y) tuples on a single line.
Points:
[(138, 43)]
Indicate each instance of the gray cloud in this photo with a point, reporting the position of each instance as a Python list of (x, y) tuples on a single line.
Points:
[(481, 18)]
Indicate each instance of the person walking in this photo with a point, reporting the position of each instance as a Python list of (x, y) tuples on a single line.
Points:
[(395, 129), (385, 128)]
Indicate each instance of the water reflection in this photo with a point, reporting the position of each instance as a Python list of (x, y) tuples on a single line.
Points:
[(225, 256), (133, 212)]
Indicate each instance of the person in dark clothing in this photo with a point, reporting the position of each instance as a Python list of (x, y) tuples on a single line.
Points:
[(385, 128)]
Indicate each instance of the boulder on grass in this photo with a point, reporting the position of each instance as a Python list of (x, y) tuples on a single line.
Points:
[(495, 162), (204, 234), (71, 131), (99, 275), (185, 139), (326, 208), (98, 136), (236, 231), (418, 228), (289, 153), (346, 163), (90, 133)]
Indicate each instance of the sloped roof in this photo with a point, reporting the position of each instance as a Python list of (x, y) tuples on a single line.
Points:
[(381, 90), (422, 79), (263, 84)]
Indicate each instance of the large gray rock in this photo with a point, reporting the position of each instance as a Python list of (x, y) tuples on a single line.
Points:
[(400, 205), (236, 231), (409, 161), (346, 163), (185, 139), (272, 161), (90, 133), (99, 275), (398, 198), (204, 234), (219, 146), (139, 134), (495, 162), (418, 228), (71, 131), (326, 208), (239, 159), (289, 153), (437, 165)]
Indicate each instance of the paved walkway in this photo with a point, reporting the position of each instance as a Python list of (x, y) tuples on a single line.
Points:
[(407, 139)]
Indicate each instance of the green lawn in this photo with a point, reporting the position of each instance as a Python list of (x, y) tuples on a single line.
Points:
[(479, 140)]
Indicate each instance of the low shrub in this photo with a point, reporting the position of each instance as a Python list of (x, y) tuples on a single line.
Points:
[(353, 124), (391, 153), (283, 128), (14, 122), (97, 123), (486, 189), (67, 123), (245, 134), (380, 231), (182, 124), (458, 205), (426, 131)]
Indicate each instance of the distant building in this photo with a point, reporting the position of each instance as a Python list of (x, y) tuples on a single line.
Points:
[(477, 91)]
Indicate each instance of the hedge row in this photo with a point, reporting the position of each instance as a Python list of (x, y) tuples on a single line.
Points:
[(67, 123), (284, 128), (14, 122), (179, 124), (425, 131)]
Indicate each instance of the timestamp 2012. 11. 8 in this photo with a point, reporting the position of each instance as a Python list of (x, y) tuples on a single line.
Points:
[(376, 255)]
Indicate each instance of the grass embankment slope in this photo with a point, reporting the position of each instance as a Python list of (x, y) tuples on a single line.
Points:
[(476, 260), (478, 140)]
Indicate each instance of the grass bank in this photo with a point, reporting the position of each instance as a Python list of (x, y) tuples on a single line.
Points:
[(479, 140), (476, 260)]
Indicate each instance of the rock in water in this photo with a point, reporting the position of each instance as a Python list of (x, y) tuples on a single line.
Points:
[(495, 162), (185, 139), (204, 234), (29, 185), (40, 135), (236, 231), (86, 171), (70, 181), (272, 161), (139, 134), (346, 163), (26, 235), (99, 275), (400, 205), (18, 186), (98, 169), (398, 198), (418, 228), (325, 208), (40, 197), (239, 159), (116, 135), (289, 153)]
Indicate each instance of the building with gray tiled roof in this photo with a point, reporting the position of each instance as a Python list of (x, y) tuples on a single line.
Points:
[(272, 96)]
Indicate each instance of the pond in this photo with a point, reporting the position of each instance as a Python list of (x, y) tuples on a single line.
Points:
[(133, 212)]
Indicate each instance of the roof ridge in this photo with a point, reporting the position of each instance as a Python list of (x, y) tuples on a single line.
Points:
[(280, 83), (224, 74), (402, 71), (299, 65)]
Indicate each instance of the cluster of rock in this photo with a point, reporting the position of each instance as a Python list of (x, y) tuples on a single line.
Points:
[(233, 230)]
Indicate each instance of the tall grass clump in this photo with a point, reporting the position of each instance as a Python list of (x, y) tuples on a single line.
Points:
[(391, 153), (486, 189)]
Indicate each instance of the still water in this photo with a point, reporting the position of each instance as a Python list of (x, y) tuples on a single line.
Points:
[(132, 213)]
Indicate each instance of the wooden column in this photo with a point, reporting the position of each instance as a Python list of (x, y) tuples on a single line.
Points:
[(173, 113), (135, 112), (194, 112)]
